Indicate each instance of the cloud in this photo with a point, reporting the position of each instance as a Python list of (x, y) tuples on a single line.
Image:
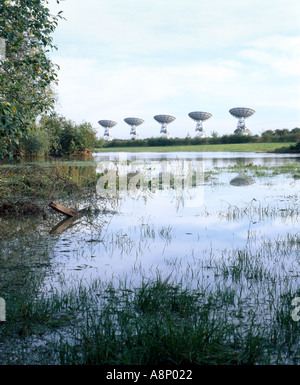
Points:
[(137, 28), (88, 90), (135, 58), (281, 53)]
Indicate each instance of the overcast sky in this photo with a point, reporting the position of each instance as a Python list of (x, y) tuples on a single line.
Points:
[(124, 58)]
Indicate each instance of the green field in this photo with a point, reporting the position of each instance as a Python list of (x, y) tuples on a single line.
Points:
[(236, 147)]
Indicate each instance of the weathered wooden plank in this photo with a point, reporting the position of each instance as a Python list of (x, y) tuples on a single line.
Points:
[(63, 209)]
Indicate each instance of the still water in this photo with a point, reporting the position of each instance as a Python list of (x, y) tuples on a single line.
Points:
[(178, 216), (173, 231)]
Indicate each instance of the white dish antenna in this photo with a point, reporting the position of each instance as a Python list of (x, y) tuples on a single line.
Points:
[(242, 113), (164, 120), (200, 117), (107, 124), (134, 123)]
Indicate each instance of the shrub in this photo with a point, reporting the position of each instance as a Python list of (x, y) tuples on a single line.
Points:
[(67, 137), (36, 142)]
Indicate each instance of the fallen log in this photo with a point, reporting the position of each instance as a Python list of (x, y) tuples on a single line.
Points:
[(63, 209)]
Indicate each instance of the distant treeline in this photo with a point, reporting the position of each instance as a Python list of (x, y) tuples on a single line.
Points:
[(268, 136), (57, 136), (290, 149)]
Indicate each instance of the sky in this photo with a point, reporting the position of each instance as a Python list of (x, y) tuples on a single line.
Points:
[(141, 58)]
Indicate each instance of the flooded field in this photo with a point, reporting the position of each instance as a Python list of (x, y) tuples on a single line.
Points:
[(150, 231), (183, 219)]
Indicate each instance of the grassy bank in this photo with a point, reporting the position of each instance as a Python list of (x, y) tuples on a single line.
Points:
[(29, 188), (235, 147)]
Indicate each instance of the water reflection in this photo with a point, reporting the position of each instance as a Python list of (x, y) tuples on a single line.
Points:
[(242, 180), (146, 230), (210, 159), (157, 228)]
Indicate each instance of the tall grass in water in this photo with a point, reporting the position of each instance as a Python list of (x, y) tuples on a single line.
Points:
[(230, 306), (158, 323), (243, 317)]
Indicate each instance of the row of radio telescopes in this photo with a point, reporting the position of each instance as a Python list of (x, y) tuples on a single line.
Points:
[(241, 113)]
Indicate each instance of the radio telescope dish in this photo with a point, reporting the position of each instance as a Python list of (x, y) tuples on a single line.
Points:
[(107, 124), (242, 113), (200, 117), (134, 122), (164, 120)]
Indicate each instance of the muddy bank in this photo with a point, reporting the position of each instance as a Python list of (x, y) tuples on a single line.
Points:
[(20, 207)]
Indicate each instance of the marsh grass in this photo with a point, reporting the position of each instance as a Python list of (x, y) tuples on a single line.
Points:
[(51, 181), (292, 168), (159, 321), (258, 211)]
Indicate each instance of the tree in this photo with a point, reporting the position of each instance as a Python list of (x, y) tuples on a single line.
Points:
[(267, 136), (53, 125), (26, 72), (65, 136), (36, 142), (77, 138)]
